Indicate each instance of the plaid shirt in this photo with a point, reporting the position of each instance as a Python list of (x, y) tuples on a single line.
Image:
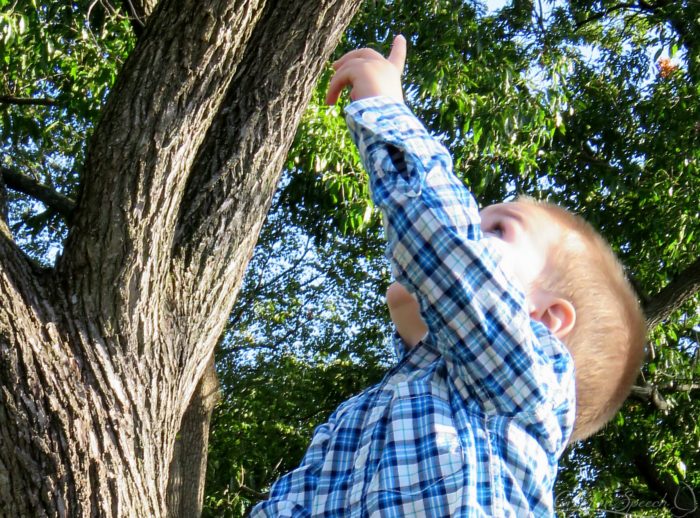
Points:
[(472, 421)]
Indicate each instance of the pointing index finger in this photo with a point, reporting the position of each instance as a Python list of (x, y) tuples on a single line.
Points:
[(397, 56)]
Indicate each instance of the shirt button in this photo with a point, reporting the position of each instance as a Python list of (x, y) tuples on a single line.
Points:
[(370, 117)]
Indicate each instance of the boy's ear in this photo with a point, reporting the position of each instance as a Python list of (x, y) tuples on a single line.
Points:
[(558, 314)]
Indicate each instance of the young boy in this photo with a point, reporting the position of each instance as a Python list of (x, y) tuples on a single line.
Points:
[(473, 419)]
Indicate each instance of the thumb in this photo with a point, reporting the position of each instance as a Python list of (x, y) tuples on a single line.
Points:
[(397, 56)]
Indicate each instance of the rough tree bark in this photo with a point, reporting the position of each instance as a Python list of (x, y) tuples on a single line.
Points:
[(3, 207), (189, 463), (187, 472), (101, 355)]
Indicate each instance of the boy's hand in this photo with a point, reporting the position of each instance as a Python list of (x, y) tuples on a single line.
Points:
[(369, 74)]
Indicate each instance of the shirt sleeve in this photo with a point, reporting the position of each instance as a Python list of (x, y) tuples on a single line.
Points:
[(475, 314)]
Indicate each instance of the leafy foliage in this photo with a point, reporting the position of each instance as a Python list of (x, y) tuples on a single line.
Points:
[(58, 62)]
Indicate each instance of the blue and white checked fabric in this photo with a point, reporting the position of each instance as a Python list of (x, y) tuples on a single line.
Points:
[(472, 421)]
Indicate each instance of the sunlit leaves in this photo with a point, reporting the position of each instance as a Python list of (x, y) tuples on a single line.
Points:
[(325, 170), (630, 163), (57, 63)]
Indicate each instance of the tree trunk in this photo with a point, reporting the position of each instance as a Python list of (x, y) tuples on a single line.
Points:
[(100, 356), (189, 464), (4, 229)]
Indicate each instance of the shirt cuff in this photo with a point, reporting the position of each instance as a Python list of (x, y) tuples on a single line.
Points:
[(377, 102), (386, 116)]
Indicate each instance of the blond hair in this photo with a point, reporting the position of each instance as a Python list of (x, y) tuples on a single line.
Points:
[(607, 341)]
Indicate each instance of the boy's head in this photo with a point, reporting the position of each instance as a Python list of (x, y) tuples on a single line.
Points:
[(576, 286)]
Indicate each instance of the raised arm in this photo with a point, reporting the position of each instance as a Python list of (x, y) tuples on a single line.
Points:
[(476, 316)]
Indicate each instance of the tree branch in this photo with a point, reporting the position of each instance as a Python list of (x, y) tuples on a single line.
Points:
[(639, 5), (654, 393), (681, 499), (189, 463), (251, 492), (168, 91), (650, 393), (677, 292), (23, 101), (4, 229), (588, 155), (604, 13), (673, 295), (139, 11), (42, 192)]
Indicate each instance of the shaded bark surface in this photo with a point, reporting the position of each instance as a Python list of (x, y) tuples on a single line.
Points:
[(101, 355), (189, 463)]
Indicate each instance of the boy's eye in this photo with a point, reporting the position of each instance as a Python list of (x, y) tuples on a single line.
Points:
[(496, 230)]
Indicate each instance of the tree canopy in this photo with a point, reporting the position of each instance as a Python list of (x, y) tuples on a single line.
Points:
[(594, 105)]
